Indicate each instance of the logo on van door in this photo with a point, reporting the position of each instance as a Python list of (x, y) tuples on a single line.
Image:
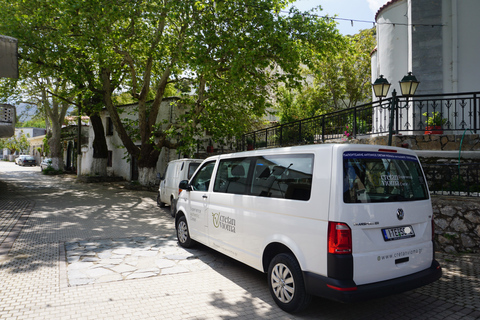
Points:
[(223, 222), (400, 214)]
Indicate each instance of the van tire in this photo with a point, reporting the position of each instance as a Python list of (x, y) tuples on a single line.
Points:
[(183, 235), (286, 285), (173, 207), (159, 201)]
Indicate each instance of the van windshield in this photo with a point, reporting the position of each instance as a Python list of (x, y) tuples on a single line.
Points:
[(192, 168), (382, 177)]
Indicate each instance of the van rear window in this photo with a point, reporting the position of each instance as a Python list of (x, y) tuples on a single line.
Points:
[(382, 177)]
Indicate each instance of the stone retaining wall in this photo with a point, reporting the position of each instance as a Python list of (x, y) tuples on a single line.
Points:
[(457, 224), (436, 142)]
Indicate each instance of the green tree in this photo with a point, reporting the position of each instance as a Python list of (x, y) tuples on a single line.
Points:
[(231, 54), (45, 95), (35, 122), (16, 143), (339, 79)]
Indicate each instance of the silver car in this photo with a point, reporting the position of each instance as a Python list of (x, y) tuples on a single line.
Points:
[(47, 162)]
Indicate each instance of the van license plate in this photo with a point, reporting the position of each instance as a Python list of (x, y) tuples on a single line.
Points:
[(397, 233)]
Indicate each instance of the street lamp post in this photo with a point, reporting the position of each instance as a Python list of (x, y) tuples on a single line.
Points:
[(408, 86)]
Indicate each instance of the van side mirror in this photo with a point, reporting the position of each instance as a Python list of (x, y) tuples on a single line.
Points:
[(184, 185)]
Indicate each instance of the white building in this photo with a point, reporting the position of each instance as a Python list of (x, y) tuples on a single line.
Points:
[(120, 163), (436, 40)]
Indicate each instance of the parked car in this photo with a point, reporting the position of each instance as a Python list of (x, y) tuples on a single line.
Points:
[(176, 171), (47, 162), (26, 160)]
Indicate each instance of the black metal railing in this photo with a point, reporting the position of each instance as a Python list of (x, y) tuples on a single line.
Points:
[(459, 111), (453, 179)]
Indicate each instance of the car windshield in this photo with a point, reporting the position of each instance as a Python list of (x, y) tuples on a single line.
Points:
[(382, 177), (29, 158)]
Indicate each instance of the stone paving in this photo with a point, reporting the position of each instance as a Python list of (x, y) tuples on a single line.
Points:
[(100, 261), (98, 251)]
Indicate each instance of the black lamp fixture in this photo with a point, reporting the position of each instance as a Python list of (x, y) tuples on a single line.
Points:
[(380, 87), (408, 85)]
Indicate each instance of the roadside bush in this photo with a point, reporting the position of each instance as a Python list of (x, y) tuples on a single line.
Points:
[(51, 171)]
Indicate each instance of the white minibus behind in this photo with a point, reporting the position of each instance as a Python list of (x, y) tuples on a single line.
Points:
[(176, 171), (341, 221)]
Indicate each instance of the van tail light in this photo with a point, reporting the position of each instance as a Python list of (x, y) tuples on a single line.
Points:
[(339, 238)]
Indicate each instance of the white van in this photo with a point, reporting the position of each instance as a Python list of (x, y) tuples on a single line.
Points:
[(346, 222), (176, 171)]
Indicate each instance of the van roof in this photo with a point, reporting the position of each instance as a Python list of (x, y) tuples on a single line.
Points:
[(316, 147)]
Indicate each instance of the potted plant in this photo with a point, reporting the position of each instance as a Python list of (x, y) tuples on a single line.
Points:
[(434, 123), (210, 147), (347, 133)]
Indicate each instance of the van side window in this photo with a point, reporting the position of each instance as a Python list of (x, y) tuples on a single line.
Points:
[(232, 176), (283, 176), (201, 181)]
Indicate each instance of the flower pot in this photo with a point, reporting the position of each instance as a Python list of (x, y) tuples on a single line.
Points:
[(433, 130)]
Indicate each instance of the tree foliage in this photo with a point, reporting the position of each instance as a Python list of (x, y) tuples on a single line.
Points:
[(16, 143), (339, 79), (229, 55)]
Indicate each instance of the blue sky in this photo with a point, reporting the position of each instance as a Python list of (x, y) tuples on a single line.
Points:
[(346, 9)]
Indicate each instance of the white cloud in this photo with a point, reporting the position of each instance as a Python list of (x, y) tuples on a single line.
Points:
[(374, 5)]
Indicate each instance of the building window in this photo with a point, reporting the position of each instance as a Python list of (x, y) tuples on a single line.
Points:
[(109, 126), (110, 158)]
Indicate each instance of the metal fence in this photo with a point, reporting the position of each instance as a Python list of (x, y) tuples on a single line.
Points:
[(453, 179), (459, 112)]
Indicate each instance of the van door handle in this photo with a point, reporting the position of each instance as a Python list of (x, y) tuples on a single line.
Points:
[(204, 196)]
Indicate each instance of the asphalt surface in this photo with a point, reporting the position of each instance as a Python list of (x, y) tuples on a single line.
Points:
[(71, 250)]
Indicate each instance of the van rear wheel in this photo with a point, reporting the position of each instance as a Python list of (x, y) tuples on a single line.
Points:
[(159, 201), (285, 281), (183, 235)]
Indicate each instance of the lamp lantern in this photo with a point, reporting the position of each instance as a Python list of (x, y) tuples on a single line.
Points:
[(380, 87), (408, 85)]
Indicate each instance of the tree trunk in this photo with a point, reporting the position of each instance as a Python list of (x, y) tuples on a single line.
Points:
[(99, 167), (147, 176), (100, 149), (56, 148)]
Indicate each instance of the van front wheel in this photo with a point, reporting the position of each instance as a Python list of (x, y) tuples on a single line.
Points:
[(183, 235), (285, 281)]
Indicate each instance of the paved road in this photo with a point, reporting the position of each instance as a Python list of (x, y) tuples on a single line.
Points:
[(98, 251)]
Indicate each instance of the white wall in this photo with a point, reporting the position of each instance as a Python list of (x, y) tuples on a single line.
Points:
[(462, 25), (393, 49), (120, 165)]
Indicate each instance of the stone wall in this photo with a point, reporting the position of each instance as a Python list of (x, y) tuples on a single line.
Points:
[(457, 223), (432, 142)]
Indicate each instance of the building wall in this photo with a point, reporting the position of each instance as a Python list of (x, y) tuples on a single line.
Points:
[(121, 164), (461, 44), (427, 45), (439, 44), (393, 51)]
